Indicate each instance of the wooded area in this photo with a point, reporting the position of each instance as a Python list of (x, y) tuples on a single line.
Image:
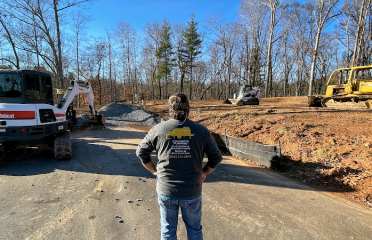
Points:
[(284, 47)]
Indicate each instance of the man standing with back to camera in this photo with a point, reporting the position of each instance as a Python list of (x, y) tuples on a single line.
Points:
[(180, 144)]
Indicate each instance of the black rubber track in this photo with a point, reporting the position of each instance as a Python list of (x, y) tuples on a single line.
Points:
[(7, 152), (62, 146)]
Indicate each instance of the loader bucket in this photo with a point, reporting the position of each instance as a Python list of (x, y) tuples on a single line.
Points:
[(227, 101), (236, 102), (98, 120), (314, 101)]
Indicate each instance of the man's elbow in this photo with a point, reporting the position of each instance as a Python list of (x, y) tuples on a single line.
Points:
[(145, 159)]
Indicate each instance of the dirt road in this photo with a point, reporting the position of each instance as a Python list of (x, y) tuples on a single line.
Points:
[(79, 199)]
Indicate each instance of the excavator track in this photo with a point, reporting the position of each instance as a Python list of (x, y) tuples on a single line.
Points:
[(347, 102), (62, 146), (6, 153)]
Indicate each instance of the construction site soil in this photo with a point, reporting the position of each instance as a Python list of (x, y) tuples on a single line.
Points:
[(328, 149)]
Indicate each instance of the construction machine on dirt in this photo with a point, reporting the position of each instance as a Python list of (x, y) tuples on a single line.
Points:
[(347, 88), (29, 118), (246, 95)]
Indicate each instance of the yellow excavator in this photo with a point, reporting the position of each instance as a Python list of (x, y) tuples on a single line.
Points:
[(347, 88)]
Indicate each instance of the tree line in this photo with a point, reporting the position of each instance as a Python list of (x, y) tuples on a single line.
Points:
[(284, 47)]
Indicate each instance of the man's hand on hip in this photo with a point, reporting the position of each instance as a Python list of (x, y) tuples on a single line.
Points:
[(203, 177), (206, 170)]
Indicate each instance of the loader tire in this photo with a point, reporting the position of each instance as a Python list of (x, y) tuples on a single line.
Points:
[(62, 146)]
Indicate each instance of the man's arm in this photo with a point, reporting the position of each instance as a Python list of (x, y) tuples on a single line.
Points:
[(213, 154), (143, 153), (151, 167), (206, 170)]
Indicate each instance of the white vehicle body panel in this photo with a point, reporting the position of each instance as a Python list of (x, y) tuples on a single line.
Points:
[(18, 115)]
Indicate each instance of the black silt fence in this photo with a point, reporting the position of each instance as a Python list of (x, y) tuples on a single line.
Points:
[(266, 155)]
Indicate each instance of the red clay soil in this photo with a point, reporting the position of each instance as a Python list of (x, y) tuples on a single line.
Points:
[(327, 148)]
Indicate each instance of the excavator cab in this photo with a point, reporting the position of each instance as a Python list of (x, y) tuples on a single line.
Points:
[(25, 87)]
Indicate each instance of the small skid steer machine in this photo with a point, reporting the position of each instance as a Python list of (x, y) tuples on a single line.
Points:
[(246, 95), (28, 116), (347, 88)]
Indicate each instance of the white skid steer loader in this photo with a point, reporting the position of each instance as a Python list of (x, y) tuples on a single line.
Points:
[(246, 95)]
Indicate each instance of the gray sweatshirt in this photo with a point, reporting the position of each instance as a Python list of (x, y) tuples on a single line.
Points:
[(180, 146)]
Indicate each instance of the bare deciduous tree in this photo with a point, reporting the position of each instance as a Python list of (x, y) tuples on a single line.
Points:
[(125, 35), (276, 7), (322, 13), (8, 35), (225, 37)]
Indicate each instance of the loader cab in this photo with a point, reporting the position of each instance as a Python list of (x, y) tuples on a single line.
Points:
[(25, 87), (243, 89)]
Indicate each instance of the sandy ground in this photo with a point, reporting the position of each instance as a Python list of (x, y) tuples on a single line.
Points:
[(326, 148)]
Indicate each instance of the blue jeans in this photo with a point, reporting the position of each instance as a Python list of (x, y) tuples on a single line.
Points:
[(191, 214)]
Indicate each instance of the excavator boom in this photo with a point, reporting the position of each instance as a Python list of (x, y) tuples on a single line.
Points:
[(76, 87)]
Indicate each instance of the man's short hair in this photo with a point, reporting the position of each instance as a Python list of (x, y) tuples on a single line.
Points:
[(178, 106)]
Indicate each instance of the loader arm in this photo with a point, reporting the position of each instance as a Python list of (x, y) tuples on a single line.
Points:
[(75, 88)]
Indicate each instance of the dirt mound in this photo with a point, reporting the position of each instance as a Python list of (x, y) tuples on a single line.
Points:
[(324, 147)]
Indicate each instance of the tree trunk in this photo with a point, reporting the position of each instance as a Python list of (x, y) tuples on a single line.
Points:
[(269, 52), (124, 93), (77, 64), (114, 68), (190, 79), (110, 67), (359, 34), (205, 90), (59, 57), (313, 61), (298, 78), (152, 85), (166, 81), (99, 83), (160, 96), (129, 73), (181, 80), (36, 44), (226, 87), (229, 71)]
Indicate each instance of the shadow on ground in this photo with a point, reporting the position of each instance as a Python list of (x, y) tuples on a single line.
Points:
[(93, 153)]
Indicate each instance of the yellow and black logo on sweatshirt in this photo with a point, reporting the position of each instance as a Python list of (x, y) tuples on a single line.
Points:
[(179, 133)]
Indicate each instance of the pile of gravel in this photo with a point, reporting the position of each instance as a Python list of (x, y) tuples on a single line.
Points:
[(81, 121), (124, 114)]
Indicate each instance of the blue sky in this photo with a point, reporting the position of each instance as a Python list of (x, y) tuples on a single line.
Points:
[(107, 13)]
